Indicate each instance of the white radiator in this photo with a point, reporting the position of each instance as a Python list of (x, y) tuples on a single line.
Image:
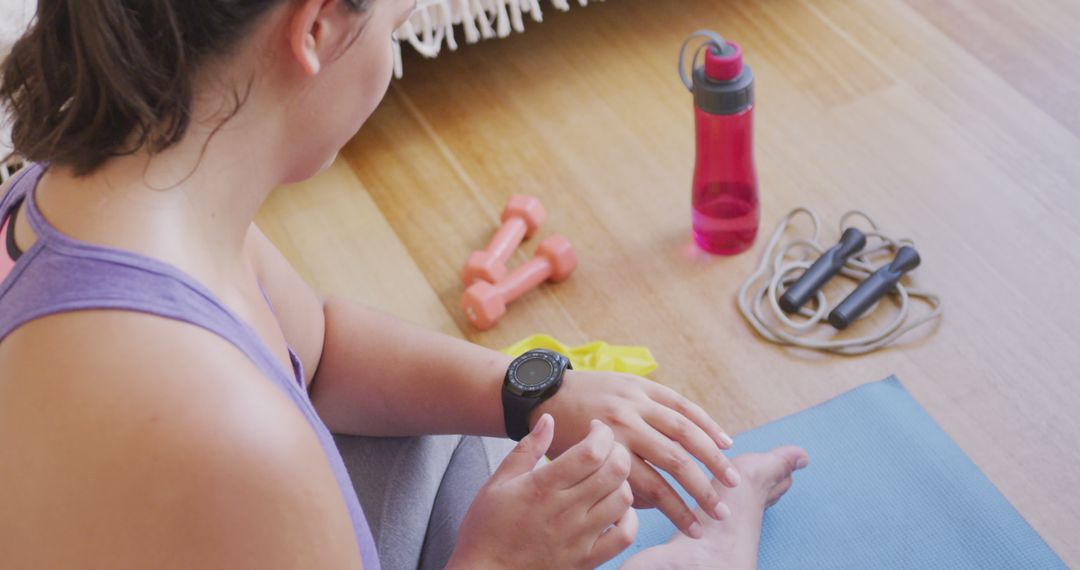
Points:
[(432, 24)]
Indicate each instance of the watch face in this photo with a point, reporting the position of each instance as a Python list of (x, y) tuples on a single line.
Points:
[(534, 373)]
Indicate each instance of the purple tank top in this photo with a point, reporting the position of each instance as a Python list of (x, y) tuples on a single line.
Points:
[(58, 274)]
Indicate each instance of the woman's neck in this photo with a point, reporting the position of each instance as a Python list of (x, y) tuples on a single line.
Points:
[(190, 205)]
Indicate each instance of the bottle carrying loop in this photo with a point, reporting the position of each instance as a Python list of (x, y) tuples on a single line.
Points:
[(714, 38)]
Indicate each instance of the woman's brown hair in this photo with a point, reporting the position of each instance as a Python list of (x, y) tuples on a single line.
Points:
[(93, 79)]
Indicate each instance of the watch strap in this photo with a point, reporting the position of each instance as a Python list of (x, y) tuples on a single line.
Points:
[(516, 408), (516, 414)]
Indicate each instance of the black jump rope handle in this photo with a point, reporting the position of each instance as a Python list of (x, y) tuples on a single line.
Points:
[(877, 285), (826, 266)]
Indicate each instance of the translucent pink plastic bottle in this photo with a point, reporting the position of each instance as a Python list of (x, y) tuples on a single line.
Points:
[(726, 210)]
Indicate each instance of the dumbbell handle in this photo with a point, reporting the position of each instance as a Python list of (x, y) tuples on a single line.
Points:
[(507, 238), (524, 279)]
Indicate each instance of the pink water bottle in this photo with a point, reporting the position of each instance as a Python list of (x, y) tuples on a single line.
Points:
[(726, 210)]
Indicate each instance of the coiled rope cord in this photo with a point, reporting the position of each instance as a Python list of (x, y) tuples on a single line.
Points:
[(778, 268)]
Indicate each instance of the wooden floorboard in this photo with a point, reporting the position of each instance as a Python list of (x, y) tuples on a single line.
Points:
[(954, 123), (333, 234), (1032, 45)]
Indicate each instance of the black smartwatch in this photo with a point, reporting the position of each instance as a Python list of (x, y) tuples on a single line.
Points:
[(532, 378)]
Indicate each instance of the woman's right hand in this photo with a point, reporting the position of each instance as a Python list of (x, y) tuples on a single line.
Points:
[(573, 512)]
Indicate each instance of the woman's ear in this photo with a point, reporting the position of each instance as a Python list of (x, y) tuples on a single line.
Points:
[(311, 31)]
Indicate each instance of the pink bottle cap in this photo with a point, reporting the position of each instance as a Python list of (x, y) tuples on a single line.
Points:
[(725, 64)]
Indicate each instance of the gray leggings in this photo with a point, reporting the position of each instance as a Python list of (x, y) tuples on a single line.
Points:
[(415, 491)]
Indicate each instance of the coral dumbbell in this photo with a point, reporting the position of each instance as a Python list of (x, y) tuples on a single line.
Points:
[(520, 219), (485, 303)]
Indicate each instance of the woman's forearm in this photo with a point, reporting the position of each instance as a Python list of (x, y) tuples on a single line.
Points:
[(382, 376)]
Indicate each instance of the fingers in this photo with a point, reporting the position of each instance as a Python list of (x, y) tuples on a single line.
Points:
[(681, 405), (608, 510), (652, 490), (529, 450), (694, 440), (604, 480), (671, 457), (580, 461), (616, 539)]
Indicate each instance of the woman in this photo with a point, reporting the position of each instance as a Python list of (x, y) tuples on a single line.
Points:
[(168, 383)]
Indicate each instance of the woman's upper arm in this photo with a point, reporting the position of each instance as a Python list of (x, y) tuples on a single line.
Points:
[(124, 456), (298, 307)]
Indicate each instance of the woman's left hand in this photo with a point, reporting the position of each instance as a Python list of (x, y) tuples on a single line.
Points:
[(659, 427)]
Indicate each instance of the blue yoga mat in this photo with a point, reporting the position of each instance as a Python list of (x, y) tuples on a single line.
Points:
[(886, 488)]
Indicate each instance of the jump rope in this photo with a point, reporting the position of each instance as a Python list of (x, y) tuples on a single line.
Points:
[(858, 257)]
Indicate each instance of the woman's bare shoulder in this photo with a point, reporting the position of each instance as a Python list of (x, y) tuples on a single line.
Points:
[(135, 441)]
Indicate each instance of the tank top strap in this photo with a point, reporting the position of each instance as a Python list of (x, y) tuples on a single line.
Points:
[(59, 274), (20, 181)]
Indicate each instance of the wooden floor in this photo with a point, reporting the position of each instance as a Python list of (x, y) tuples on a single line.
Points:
[(954, 122)]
